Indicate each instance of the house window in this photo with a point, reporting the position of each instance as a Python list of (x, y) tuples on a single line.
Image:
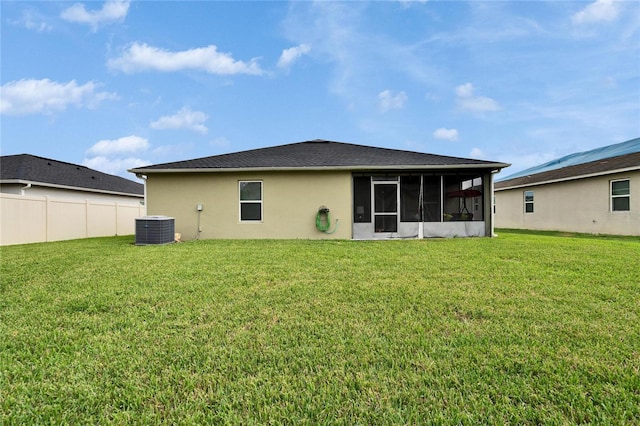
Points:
[(528, 201), (250, 201), (620, 195)]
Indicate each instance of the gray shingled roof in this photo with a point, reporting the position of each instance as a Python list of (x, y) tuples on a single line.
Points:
[(25, 168), (319, 154), (607, 165)]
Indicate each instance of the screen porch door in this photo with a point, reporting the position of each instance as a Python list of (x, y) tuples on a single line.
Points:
[(385, 202)]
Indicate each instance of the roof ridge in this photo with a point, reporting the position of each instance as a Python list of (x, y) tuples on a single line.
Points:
[(51, 159), (317, 153)]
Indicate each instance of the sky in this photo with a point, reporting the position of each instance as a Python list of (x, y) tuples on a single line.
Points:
[(120, 84)]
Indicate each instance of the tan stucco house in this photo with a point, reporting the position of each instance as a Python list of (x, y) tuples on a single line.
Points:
[(323, 189), (597, 192)]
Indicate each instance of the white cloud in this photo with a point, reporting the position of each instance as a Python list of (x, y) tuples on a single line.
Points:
[(183, 119), (33, 21), (114, 166), (387, 100), (465, 90), (407, 3), (23, 97), (446, 134), (115, 156), (468, 102), (289, 56), (221, 143), (477, 153), (142, 57), (123, 145), (111, 12), (598, 11), (172, 151), (357, 54)]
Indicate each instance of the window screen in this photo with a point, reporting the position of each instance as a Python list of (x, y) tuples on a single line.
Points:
[(431, 198), (528, 201), (620, 195), (250, 201), (362, 199), (410, 198)]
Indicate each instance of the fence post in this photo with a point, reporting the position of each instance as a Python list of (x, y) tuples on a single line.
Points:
[(46, 218), (86, 218)]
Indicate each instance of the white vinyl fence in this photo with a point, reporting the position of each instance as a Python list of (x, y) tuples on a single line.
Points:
[(32, 219)]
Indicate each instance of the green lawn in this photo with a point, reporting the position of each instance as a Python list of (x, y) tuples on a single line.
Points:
[(524, 328)]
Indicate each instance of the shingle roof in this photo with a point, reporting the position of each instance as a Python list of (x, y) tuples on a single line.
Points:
[(25, 168), (319, 154), (607, 165)]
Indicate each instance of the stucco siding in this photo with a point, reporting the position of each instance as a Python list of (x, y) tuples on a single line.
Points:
[(290, 202), (581, 205)]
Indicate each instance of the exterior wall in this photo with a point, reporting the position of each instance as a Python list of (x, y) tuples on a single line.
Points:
[(29, 219), (581, 205), (290, 203)]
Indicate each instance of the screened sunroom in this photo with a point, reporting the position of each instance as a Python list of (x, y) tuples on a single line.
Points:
[(420, 205)]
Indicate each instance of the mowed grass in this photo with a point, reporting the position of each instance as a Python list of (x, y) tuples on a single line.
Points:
[(523, 328)]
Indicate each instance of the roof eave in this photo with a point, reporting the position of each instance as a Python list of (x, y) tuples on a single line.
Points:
[(493, 166), (568, 178), (72, 188)]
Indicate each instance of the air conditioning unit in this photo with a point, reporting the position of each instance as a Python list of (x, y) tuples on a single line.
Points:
[(155, 230)]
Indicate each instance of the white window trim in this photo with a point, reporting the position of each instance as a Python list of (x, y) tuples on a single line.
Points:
[(240, 202), (612, 197), (532, 202)]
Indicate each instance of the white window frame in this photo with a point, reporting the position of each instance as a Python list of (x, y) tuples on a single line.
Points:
[(613, 197), (241, 201), (529, 202)]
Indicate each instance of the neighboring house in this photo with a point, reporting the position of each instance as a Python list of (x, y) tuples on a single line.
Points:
[(47, 200), (323, 189), (597, 192), (25, 174)]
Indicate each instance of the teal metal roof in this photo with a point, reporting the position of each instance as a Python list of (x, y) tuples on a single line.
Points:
[(629, 147)]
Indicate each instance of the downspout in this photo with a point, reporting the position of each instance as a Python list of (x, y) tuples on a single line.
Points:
[(144, 182), (421, 208), (492, 202), (24, 188)]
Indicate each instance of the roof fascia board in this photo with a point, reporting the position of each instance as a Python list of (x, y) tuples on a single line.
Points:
[(72, 188), (331, 168), (578, 177)]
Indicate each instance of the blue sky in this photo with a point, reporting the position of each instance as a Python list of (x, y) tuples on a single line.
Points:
[(115, 85)]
